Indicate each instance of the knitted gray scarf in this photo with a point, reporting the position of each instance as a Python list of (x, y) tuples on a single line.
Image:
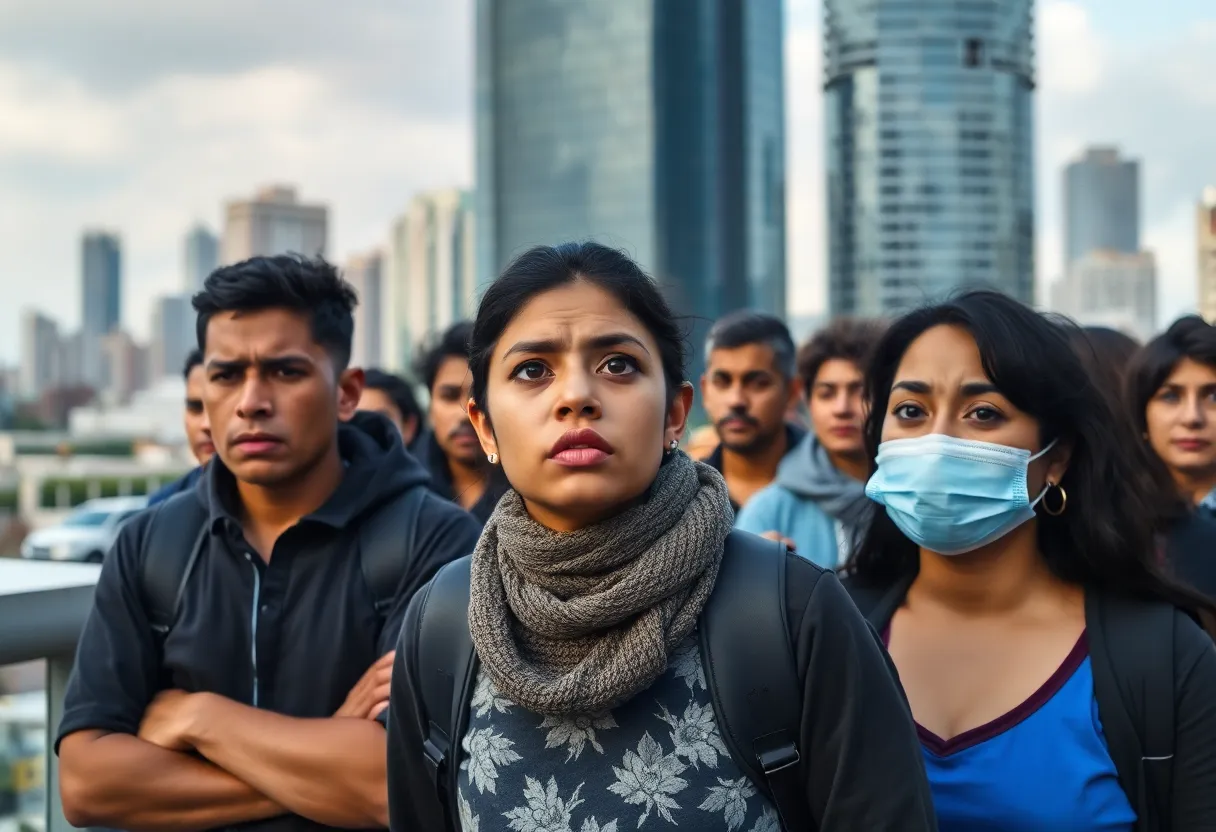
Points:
[(579, 622)]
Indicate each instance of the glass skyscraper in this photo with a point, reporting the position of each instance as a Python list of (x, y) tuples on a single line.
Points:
[(1101, 204), (656, 126), (928, 113)]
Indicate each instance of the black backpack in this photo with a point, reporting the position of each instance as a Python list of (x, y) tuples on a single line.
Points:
[(166, 564), (746, 651), (1133, 684)]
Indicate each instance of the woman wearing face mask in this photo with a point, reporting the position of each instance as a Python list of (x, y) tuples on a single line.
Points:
[(1057, 679), (557, 680)]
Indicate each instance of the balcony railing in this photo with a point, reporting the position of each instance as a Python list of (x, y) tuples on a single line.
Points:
[(43, 607)]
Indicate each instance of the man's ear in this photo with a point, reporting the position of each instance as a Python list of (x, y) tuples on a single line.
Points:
[(350, 390)]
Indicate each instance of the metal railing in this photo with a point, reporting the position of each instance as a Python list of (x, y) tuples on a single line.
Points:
[(43, 607)]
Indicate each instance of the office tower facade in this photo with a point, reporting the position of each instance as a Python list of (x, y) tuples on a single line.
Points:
[(365, 273), (126, 367), (101, 295), (1205, 237), (41, 354), (656, 127), (1101, 204), (1111, 288), (173, 336), (202, 255), (274, 222), (431, 279), (928, 112)]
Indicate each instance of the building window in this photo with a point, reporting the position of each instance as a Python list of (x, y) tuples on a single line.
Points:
[(973, 52)]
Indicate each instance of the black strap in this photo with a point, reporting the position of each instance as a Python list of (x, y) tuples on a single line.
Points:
[(447, 666), (386, 546), (752, 675), (167, 561), (1132, 657)]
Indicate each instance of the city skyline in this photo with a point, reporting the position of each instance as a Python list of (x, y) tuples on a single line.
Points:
[(151, 146)]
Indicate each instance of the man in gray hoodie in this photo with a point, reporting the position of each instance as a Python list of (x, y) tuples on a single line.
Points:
[(818, 501)]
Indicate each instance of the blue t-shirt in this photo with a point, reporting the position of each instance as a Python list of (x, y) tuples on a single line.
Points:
[(1042, 767)]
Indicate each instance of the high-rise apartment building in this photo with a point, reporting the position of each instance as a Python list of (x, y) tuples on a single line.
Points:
[(274, 222), (126, 366), (1107, 280), (1111, 288), (1205, 236), (101, 295), (928, 109), (41, 358), (653, 126), (202, 255), (431, 279), (1101, 204), (365, 273), (173, 336)]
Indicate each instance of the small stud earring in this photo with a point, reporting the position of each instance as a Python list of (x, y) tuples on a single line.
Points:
[(675, 443), (493, 458)]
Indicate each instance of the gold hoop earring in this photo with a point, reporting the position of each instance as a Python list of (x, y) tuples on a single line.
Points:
[(1063, 499), (493, 459)]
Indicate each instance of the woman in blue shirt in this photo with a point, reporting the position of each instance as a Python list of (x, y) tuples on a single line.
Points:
[(1012, 545)]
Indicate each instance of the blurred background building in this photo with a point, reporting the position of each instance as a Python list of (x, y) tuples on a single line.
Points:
[(274, 222), (431, 279), (928, 111), (654, 126), (1205, 236), (1108, 279)]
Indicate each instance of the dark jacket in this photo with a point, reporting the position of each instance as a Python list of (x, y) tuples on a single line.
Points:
[(1193, 664), (865, 770), (441, 480), (292, 635), (793, 436), (1190, 551), (176, 487)]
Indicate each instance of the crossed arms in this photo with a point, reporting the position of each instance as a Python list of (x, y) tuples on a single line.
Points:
[(201, 761)]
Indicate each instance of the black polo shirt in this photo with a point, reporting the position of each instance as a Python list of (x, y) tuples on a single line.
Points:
[(441, 480), (293, 635), (793, 435)]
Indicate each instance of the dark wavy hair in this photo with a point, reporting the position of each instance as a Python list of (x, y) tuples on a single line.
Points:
[(1107, 355), (310, 286), (1105, 538)]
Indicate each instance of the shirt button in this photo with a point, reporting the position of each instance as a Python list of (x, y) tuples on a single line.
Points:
[(265, 608), (248, 556)]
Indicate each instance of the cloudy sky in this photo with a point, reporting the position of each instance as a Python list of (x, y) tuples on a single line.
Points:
[(144, 116)]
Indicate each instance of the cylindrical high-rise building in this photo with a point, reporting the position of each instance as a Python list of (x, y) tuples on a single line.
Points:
[(653, 125), (930, 146)]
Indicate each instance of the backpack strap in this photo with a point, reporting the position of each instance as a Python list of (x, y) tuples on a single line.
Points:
[(1132, 658), (168, 559), (386, 546), (447, 666), (752, 675)]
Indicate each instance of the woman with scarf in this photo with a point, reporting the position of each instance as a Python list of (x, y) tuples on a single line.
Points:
[(587, 705), (1058, 680)]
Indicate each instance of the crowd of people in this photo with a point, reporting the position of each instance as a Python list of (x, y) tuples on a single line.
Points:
[(950, 571)]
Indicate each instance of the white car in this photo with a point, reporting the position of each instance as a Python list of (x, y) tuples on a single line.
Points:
[(87, 533)]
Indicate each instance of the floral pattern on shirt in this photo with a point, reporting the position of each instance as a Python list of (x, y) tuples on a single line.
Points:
[(656, 762)]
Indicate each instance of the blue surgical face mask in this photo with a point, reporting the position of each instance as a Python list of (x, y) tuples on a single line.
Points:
[(953, 496)]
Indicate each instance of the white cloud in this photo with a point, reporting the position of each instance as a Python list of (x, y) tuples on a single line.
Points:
[(1071, 54), (1152, 98), (144, 118)]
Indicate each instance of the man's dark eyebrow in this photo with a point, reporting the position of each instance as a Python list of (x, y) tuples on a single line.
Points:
[(548, 346), (273, 363)]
